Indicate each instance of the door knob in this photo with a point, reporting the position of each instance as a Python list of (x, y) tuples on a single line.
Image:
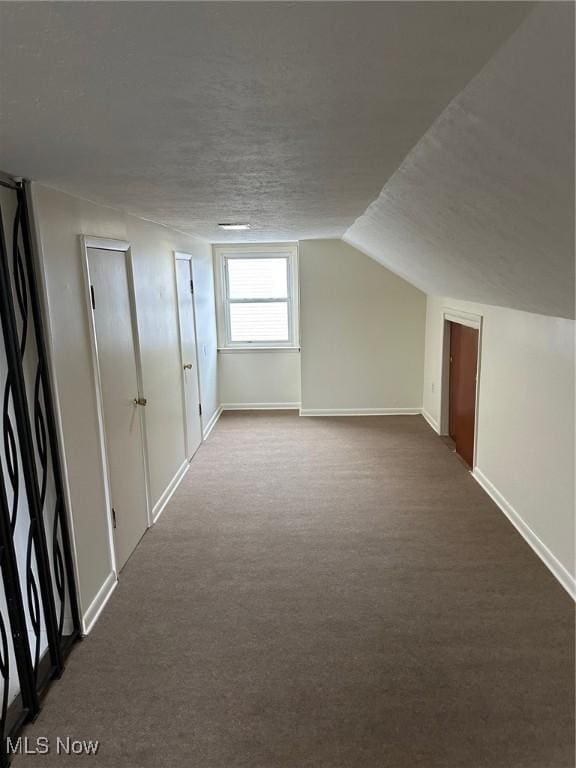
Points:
[(140, 401), (187, 366)]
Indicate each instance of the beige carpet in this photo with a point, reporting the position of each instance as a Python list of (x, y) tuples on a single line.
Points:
[(325, 593)]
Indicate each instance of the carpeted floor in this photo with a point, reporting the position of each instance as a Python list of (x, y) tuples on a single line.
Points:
[(325, 593)]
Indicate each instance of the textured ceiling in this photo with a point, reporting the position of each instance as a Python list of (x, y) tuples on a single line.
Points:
[(289, 115), (483, 207)]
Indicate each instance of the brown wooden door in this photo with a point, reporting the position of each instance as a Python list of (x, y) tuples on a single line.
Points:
[(463, 367)]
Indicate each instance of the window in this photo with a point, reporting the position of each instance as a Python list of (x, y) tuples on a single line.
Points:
[(258, 296)]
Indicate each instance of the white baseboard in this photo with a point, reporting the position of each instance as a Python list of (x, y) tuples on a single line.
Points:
[(260, 406), (360, 411), (548, 558), (432, 421), (212, 423), (167, 495), (97, 605)]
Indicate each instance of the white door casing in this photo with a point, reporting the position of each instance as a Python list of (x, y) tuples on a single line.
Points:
[(189, 356), (118, 378)]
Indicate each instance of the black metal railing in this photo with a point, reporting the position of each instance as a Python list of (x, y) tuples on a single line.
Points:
[(39, 618)]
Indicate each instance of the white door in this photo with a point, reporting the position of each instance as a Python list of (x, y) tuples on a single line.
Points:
[(189, 357), (116, 351)]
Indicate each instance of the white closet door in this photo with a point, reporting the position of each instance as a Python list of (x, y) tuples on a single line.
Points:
[(119, 382), (189, 356)]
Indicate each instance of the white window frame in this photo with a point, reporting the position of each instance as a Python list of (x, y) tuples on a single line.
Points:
[(225, 253)]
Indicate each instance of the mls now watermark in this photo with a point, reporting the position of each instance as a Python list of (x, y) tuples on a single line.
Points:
[(42, 745)]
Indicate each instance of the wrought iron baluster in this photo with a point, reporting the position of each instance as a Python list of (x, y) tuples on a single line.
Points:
[(37, 538), (39, 584), (47, 439), (18, 633)]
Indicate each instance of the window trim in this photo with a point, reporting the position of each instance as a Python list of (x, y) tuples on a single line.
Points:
[(225, 253)]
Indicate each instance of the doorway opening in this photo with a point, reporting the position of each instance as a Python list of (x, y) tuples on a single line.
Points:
[(118, 380), (461, 367)]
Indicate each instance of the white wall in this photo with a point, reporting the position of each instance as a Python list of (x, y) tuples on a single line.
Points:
[(60, 219), (152, 253), (362, 332), (525, 426), (264, 378)]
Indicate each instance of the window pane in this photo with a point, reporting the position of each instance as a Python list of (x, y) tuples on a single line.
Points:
[(258, 278), (259, 322)]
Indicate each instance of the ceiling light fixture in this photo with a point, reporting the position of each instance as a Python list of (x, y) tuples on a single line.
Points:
[(233, 226)]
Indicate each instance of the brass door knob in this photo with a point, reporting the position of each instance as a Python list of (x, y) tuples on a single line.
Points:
[(140, 401), (187, 366)]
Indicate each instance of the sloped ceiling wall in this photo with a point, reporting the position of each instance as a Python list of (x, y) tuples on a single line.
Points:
[(482, 208)]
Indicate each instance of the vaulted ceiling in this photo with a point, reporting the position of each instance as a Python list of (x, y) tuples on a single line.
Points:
[(483, 207), (432, 135), (289, 115)]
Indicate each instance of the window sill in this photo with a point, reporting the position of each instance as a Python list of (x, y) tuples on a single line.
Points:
[(255, 348)]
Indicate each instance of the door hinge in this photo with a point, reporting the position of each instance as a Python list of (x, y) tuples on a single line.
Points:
[(191, 286), (113, 518), (92, 297), (200, 408)]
